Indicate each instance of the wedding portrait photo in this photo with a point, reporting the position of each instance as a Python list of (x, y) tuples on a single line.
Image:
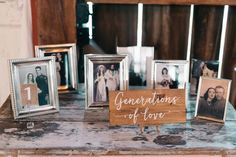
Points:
[(104, 73), (106, 78), (66, 64), (33, 92), (169, 74), (62, 69)]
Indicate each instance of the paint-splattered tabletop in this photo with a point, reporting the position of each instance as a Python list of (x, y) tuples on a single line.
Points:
[(75, 131)]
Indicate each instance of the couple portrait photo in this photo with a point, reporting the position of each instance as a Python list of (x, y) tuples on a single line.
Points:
[(212, 98), (36, 77), (106, 78), (61, 68)]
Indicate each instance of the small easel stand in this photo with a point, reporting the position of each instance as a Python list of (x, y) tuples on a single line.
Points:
[(142, 127)]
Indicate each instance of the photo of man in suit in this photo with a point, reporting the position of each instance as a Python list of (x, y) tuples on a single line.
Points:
[(42, 84), (220, 102)]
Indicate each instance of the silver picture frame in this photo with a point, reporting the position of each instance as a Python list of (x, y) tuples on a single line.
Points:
[(33, 87), (66, 64), (212, 99), (169, 74), (104, 73)]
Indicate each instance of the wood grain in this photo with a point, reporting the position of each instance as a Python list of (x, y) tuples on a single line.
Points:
[(169, 2), (115, 25), (230, 53), (56, 21), (131, 107), (159, 30)]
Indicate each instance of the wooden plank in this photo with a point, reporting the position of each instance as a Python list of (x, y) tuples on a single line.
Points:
[(115, 1), (169, 2), (56, 22), (147, 107)]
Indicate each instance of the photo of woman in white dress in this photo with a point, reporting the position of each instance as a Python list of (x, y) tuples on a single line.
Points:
[(100, 85), (30, 79), (166, 80)]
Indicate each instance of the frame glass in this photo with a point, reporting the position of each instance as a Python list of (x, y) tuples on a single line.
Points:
[(212, 99), (33, 87), (169, 74), (104, 73), (66, 64)]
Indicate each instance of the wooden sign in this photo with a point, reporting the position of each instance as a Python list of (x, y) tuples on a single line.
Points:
[(29, 94), (147, 107)]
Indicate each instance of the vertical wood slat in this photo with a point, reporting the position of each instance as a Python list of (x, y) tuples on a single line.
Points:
[(56, 21), (166, 27), (207, 29), (115, 25), (229, 60), (34, 21)]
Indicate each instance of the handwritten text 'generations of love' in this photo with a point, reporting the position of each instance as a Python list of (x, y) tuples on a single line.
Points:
[(144, 102)]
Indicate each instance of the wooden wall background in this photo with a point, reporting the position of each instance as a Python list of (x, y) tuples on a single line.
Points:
[(115, 25), (164, 26), (230, 53), (56, 21), (207, 24)]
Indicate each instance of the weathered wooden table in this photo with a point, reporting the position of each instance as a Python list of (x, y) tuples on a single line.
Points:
[(76, 132)]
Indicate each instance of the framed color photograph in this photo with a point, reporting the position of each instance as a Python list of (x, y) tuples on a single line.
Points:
[(66, 64), (212, 99), (169, 74), (202, 68), (33, 86), (104, 73)]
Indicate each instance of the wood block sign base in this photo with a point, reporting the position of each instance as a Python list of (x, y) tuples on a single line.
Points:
[(147, 107)]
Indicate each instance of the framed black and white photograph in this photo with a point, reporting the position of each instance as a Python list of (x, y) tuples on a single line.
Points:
[(212, 99), (202, 68), (66, 64), (104, 73), (33, 86), (169, 74)]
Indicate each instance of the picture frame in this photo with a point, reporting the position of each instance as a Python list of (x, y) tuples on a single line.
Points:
[(202, 68), (212, 99), (66, 64), (33, 87), (104, 73), (169, 74)]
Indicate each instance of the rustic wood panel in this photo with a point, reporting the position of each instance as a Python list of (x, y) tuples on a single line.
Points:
[(56, 21), (230, 53), (147, 107), (167, 2), (207, 32), (115, 25), (166, 28)]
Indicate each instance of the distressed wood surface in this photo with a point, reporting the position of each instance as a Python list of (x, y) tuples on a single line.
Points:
[(147, 107), (75, 131)]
